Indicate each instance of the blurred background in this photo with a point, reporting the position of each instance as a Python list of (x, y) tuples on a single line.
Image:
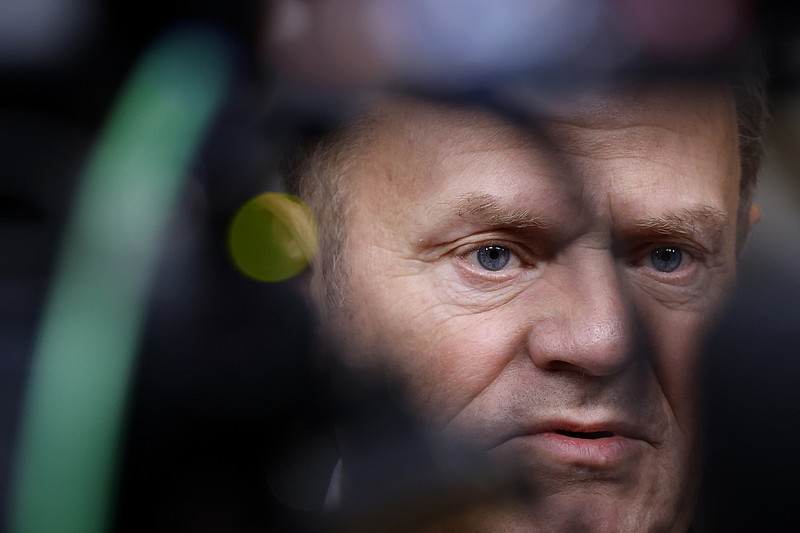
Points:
[(215, 410)]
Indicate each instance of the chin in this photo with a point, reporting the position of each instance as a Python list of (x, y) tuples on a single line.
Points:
[(568, 513), (599, 513), (631, 488)]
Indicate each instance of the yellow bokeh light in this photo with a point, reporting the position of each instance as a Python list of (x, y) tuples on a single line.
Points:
[(273, 237)]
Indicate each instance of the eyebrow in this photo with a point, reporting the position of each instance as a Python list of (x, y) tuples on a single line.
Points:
[(487, 210), (700, 222)]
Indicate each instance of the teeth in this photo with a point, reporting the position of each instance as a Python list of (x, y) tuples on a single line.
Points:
[(589, 435)]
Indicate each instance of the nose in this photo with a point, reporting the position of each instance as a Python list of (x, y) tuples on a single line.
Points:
[(587, 328)]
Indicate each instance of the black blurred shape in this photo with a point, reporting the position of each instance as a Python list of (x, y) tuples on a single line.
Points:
[(226, 390), (752, 385)]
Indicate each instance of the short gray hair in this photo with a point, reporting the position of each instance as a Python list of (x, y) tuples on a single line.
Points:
[(316, 172)]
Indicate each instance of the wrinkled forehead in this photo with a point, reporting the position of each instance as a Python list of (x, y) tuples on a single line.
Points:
[(408, 136), (687, 108)]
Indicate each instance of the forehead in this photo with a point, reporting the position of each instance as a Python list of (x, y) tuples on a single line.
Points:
[(693, 111), (626, 152)]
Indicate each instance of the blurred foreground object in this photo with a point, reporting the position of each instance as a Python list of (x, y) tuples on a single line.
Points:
[(273, 237), (88, 337), (329, 58), (751, 378), (222, 372), (44, 32), (467, 45)]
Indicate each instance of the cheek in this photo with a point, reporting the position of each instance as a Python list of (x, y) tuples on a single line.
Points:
[(676, 336), (676, 339), (467, 355), (446, 357)]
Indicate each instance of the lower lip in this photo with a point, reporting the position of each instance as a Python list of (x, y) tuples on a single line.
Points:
[(602, 454)]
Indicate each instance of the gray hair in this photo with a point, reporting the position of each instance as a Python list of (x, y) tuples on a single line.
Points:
[(752, 112), (316, 172)]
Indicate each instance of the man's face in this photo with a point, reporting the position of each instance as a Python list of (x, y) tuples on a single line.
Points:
[(545, 295)]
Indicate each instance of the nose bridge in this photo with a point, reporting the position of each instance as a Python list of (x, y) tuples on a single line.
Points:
[(590, 328)]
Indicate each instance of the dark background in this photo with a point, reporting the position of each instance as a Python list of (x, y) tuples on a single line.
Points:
[(223, 383)]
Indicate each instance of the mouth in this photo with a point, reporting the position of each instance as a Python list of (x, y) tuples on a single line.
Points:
[(589, 435), (609, 446)]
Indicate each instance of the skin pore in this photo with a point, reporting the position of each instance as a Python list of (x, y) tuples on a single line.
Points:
[(545, 298)]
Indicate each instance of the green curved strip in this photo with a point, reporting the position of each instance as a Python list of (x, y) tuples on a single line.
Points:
[(72, 418)]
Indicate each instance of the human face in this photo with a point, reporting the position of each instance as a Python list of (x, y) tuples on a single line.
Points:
[(535, 294)]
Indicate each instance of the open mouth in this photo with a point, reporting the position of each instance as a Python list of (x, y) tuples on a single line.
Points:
[(588, 435)]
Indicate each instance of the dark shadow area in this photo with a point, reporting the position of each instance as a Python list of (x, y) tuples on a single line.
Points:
[(753, 414)]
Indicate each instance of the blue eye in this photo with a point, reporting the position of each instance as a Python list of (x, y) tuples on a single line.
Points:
[(492, 257), (666, 259)]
